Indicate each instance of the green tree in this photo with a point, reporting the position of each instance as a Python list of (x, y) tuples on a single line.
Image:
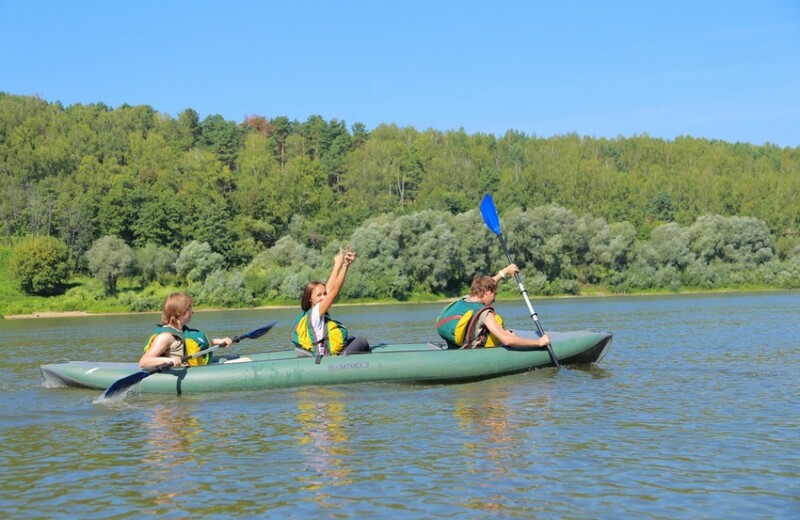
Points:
[(42, 205), (384, 174), (256, 167), (744, 240), (156, 263), (42, 265), (188, 129), (160, 219), (117, 208), (400, 256), (282, 129), (222, 138), (360, 134), (282, 271), (611, 250), (545, 238), (74, 224), (109, 259), (379, 269), (478, 251), (669, 245), (13, 204), (224, 288), (448, 171), (196, 261), (661, 207)]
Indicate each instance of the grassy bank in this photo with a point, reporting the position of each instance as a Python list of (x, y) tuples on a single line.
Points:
[(85, 295)]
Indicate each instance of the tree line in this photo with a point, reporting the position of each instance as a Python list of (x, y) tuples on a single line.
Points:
[(248, 212)]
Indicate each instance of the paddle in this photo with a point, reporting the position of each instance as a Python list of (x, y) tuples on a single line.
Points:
[(128, 381), (492, 220)]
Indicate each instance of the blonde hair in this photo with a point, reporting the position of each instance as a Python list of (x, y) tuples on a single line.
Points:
[(176, 304)]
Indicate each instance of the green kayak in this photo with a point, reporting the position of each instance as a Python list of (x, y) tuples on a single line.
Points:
[(401, 363)]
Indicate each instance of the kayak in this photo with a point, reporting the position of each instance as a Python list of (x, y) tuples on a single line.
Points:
[(398, 363)]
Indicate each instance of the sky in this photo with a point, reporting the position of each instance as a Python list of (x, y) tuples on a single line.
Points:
[(714, 69)]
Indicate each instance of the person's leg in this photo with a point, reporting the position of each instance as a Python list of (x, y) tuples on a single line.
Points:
[(356, 345)]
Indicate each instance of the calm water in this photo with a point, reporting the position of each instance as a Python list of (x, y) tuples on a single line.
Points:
[(693, 414)]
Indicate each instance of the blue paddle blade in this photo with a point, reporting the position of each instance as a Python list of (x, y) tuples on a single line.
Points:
[(124, 383), (257, 333), (489, 213)]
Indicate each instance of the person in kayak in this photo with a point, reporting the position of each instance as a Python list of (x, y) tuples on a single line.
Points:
[(314, 330), (471, 322), (172, 339)]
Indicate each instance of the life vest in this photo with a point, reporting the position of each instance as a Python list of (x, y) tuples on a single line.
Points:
[(457, 324), (191, 342), (332, 343)]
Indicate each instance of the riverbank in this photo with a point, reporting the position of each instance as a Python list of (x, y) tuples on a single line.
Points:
[(505, 297), (34, 315), (79, 314)]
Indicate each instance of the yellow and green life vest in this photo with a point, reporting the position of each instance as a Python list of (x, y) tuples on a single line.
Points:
[(303, 335), (191, 342), (457, 325)]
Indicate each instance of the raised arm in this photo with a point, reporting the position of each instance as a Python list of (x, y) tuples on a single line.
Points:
[(509, 270), (341, 263)]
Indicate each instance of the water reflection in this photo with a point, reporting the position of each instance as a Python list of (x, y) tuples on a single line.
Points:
[(323, 438), (496, 428), (175, 441), (174, 434), (496, 422)]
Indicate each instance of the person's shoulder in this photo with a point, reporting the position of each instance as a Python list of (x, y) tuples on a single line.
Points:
[(161, 337), (166, 330), (315, 314)]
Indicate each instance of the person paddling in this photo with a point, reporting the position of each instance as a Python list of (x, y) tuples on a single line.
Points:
[(471, 322), (172, 339)]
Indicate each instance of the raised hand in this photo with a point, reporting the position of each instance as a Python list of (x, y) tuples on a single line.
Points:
[(350, 256), (339, 259)]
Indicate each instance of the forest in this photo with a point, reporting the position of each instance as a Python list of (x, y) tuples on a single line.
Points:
[(126, 203)]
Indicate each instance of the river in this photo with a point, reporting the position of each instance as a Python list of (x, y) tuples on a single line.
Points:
[(694, 413)]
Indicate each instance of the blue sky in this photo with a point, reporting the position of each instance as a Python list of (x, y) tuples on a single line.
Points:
[(717, 69)]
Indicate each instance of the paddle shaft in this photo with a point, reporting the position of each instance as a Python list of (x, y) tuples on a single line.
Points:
[(250, 335), (129, 381), (184, 359), (524, 292)]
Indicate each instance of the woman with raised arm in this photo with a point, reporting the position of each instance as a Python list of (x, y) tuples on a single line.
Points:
[(314, 330)]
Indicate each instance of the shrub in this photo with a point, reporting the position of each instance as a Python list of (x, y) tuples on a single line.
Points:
[(109, 259), (42, 265)]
